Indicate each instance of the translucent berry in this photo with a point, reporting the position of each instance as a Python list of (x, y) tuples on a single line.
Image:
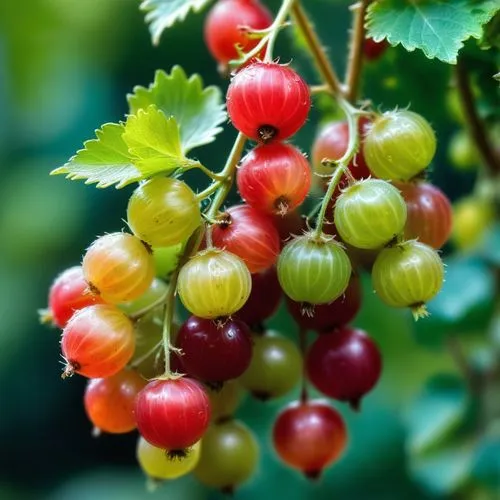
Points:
[(98, 341), (118, 267), (214, 283), (268, 101), (370, 213)]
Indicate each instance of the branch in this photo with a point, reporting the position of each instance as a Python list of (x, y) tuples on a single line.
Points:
[(474, 122), (354, 64), (318, 52)]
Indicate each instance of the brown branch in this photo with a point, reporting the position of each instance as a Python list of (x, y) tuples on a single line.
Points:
[(474, 122), (355, 61), (457, 353), (313, 42)]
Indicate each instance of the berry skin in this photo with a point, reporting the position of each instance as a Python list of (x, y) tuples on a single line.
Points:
[(369, 214), (264, 298), (172, 414), (344, 364), (275, 369), (399, 145), (315, 271), (214, 351), (250, 235), (118, 267), (69, 293), (268, 101), (163, 212), (225, 401), (214, 283), (373, 50), (274, 178), (224, 23), (229, 456), (109, 402), (429, 213), (326, 317), (289, 225), (332, 142), (462, 152), (158, 465), (97, 342), (155, 294), (408, 275), (472, 217), (309, 436)]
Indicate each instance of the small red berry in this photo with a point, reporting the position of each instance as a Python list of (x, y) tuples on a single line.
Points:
[(268, 101), (373, 50), (172, 414)]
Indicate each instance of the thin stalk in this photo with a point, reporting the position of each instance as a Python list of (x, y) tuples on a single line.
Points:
[(355, 60), (227, 174), (475, 124), (352, 122), (168, 318), (303, 348), (318, 52), (456, 351), (149, 307), (145, 356)]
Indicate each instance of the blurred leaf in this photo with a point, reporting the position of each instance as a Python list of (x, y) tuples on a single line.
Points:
[(465, 304), (491, 36), (490, 247), (487, 458), (198, 111), (438, 410), (154, 142), (105, 160), (445, 470), (437, 27), (161, 14)]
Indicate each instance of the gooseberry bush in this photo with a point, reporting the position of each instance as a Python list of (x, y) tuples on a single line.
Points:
[(309, 229)]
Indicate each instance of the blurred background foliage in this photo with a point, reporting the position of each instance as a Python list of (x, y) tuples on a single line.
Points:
[(65, 68)]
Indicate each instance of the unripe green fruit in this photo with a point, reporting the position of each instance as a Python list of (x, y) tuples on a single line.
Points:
[(408, 275), (370, 213), (314, 270), (399, 145), (163, 212), (462, 152)]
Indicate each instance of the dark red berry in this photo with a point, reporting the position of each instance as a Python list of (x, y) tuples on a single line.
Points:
[(214, 351), (373, 50), (344, 364)]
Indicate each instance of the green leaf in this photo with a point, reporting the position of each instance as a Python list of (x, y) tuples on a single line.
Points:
[(487, 461), (445, 470), (198, 111), (437, 27), (161, 14), (153, 141), (437, 411), (105, 160), (465, 304)]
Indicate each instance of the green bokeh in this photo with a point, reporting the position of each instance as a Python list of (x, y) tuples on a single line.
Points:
[(65, 68)]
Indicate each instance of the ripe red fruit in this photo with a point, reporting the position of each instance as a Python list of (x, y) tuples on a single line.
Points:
[(326, 317), (69, 293), (264, 298), (249, 234), (268, 101), (109, 402), (309, 436), (98, 341), (344, 364), (213, 351), (373, 50), (331, 143), (274, 178), (172, 414), (429, 213), (225, 23), (289, 225)]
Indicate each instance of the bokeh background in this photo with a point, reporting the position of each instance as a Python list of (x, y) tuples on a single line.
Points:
[(65, 68)]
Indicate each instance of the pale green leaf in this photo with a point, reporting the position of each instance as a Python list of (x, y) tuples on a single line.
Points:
[(198, 111), (153, 141), (104, 161), (161, 14), (437, 27)]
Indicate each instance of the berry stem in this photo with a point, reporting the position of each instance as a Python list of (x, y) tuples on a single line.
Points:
[(146, 355), (149, 307), (304, 396), (321, 60), (227, 174), (352, 115), (168, 318), (474, 123), (355, 60), (206, 171), (456, 351)]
